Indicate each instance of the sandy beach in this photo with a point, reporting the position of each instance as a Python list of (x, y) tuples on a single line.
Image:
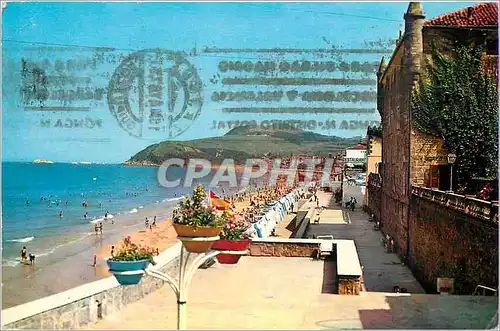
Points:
[(160, 237), (73, 262), (164, 236)]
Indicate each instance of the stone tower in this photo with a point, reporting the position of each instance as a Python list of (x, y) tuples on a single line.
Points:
[(413, 39), (380, 94)]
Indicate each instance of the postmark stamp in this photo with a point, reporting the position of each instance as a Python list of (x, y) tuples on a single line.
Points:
[(155, 94)]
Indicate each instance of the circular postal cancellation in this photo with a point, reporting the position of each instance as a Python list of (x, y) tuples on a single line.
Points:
[(155, 94)]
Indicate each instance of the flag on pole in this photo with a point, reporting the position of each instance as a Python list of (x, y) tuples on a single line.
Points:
[(219, 203)]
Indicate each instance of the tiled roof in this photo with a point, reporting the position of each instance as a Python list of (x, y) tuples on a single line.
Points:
[(482, 14), (357, 147)]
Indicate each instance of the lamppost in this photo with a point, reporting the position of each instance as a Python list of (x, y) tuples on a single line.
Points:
[(451, 160), (186, 272)]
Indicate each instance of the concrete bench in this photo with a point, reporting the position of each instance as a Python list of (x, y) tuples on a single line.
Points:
[(349, 270)]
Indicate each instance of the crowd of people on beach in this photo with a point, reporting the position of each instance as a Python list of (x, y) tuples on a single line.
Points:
[(258, 198), (255, 198)]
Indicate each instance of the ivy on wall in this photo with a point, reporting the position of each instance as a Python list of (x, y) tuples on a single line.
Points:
[(457, 101)]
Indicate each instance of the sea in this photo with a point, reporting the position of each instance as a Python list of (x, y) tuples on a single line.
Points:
[(42, 209)]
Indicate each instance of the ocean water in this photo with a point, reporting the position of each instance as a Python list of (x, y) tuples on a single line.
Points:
[(33, 195)]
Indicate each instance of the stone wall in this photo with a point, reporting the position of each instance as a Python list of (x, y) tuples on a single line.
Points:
[(425, 151), (283, 249), (88, 310), (349, 286), (394, 90), (374, 196), (445, 242)]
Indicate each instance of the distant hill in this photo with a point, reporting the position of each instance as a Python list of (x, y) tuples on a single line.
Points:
[(244, 142)]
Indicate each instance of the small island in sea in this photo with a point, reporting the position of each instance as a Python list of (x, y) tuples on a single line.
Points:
[(42, 161)]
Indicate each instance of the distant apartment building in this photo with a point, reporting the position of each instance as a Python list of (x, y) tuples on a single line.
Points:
[(355, 155), (373, 154), (373, 157)]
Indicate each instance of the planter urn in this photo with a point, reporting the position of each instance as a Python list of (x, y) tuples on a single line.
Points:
[(187, 233), (230, 245), (127, 272)]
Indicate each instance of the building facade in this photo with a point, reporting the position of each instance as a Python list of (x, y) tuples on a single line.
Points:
[(356, 155), (408, 155)]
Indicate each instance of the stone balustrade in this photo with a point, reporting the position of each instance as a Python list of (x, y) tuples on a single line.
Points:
[(477, 208)]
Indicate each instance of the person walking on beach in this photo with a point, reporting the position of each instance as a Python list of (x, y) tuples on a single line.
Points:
[(154, 222), (96, 228), (23, 254), (95, 261), (146, 221), (100, 227), (112, 251), (85, 216)]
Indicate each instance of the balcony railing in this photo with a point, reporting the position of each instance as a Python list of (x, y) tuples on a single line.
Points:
[(374, 180), (481, 209)]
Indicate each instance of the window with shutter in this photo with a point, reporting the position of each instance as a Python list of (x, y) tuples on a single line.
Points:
[(434, 176)]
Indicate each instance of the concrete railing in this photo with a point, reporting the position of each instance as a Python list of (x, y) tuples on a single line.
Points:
[(477, 208), (85, 304)]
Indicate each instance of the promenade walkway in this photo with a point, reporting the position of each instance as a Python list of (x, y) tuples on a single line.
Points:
[(286, 293), (289, 292), (381, 270)]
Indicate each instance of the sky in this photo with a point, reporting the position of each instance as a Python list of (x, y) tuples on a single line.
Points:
[(100, 81)]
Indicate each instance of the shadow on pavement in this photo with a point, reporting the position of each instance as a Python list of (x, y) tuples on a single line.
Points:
[(428, 311)]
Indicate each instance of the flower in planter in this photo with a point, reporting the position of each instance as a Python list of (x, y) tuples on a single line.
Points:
[(128, 251), (236, 228), (194, 211)]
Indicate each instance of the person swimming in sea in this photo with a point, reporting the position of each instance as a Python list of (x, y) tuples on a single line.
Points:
[(27, 202), (85, 216), (61, 214), (106, 214)]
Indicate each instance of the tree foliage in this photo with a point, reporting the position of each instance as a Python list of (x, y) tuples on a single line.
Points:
[(458, 101), (374, 131)]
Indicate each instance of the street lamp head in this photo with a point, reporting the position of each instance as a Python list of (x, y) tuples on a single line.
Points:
[(452, 158)]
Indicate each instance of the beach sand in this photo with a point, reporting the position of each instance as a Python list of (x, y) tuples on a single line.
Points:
[(76, 267), (162, 236)]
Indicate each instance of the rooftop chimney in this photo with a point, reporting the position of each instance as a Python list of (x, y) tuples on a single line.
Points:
[(470, 12)]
